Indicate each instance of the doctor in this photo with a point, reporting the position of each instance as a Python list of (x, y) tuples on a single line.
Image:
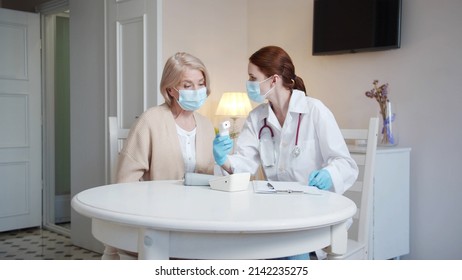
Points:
[(293, 137)]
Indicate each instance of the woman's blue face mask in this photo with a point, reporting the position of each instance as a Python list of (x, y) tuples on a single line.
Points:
[(191, 99), (253, 91)]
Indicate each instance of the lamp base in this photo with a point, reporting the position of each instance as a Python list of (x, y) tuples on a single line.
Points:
[(233, 133)]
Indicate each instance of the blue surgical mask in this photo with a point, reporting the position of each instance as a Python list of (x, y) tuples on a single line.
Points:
[(253, 91), (190, 99)]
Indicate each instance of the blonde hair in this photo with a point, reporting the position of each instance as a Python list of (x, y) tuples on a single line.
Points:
[(174, 68)]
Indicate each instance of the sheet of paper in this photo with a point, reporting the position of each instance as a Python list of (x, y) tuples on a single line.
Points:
[(283, 187)]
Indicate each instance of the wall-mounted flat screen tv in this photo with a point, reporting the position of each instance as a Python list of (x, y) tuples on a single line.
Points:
[(349, 26)]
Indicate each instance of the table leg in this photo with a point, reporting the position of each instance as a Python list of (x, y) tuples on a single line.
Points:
[(153, 244), (339, 238), (110, 253)]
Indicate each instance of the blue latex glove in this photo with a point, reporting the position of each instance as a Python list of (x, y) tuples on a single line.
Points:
[(320, 179), (222, 146)]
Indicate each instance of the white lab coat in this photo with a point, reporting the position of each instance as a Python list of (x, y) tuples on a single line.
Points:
[(320, 142)]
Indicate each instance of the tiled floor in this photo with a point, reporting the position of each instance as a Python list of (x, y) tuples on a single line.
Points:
[(40, 244)]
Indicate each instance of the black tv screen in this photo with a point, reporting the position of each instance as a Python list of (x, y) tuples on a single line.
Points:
[(349, 26)]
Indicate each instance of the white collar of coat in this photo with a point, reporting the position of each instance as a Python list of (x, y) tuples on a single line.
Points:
[(297, 105), (298, 102)]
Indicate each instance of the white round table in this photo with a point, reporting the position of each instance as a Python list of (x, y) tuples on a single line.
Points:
[(163, 219)]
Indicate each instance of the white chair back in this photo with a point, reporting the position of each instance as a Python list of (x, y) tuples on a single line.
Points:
[(116, 137), (362, 191)]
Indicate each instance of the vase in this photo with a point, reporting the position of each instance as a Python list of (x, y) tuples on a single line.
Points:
[(388, 130)]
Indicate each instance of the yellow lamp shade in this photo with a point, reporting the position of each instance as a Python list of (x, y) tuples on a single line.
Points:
[(234, 104)]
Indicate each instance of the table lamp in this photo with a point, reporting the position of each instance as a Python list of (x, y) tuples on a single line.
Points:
[(234, 105)]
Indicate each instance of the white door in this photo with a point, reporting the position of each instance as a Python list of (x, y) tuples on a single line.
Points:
[(133, 55), (20, 120)]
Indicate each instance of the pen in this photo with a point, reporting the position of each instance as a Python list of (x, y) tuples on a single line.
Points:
[(282, 191), (288, 191)]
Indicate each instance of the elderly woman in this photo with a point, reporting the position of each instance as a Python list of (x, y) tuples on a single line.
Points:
[(171, 139)]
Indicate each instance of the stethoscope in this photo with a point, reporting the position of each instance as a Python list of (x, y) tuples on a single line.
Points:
[(296, 150)]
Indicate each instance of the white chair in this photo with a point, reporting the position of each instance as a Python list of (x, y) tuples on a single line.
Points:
[(361, 192), (116, 137)]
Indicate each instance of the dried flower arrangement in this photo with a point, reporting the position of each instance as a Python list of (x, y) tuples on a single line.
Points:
[(380, 93)]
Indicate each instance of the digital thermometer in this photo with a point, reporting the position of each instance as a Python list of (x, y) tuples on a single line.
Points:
[(224, 128)]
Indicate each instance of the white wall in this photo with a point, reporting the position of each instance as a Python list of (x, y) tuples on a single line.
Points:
[(215, 31), (426, 85)]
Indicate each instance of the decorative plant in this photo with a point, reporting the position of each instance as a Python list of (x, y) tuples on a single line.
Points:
[(380, 93)]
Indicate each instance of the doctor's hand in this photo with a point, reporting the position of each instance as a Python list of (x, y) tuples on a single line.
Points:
[(320, 179), (222, 146)]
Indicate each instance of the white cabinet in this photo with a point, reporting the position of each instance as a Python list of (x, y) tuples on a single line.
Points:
[(390, 222)]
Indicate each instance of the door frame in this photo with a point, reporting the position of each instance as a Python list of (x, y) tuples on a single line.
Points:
[(54, 7)]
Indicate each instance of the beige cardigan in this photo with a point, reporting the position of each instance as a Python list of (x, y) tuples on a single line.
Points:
[(152, 150)]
